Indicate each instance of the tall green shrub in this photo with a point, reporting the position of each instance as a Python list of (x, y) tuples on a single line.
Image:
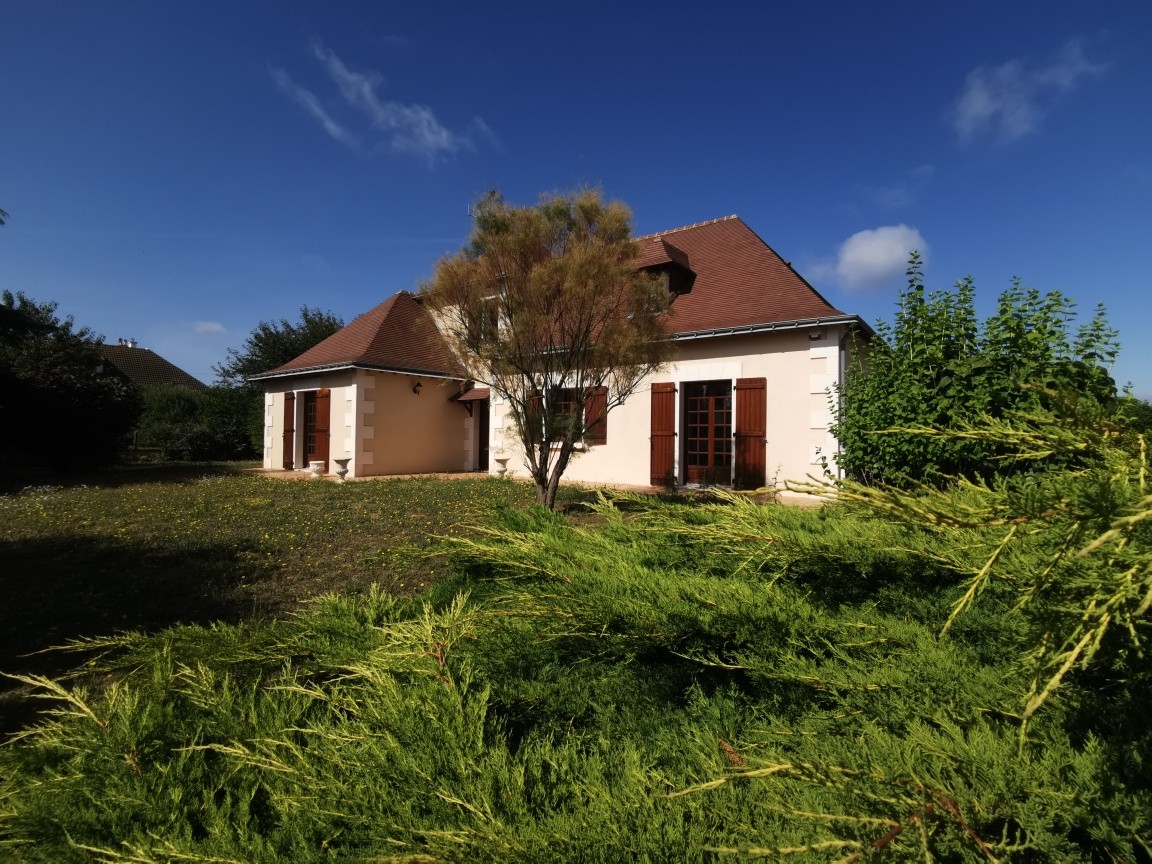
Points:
[(212, 423), (936, 366)]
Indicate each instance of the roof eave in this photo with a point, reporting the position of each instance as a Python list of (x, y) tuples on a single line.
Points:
[(371, 367), (797, 324)]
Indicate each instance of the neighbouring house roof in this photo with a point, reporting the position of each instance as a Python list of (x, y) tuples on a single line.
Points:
[(741, 284), (399, 335), (145, 368)]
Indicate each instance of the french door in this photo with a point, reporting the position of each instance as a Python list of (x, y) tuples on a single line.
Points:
[(317, 410), (708, 432)]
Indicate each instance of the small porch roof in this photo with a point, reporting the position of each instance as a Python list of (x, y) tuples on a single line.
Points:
[(476, 394)]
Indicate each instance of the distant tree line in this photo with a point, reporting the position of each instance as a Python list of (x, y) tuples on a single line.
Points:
[(226, 421), (196, 425), (62, 407), (58, 407)]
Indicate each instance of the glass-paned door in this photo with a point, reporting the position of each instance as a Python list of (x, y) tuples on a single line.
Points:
[(317, 408), (708, 432)]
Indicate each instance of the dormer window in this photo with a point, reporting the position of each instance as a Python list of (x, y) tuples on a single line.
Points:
[(488, 325), (670, 263)]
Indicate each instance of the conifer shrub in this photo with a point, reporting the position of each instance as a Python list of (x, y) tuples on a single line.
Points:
[(948, 675)]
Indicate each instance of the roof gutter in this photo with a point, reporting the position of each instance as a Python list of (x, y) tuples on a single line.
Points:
[(334, 367), (798, 324)]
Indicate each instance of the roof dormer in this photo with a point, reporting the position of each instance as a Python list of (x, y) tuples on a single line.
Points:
[(670, 262)]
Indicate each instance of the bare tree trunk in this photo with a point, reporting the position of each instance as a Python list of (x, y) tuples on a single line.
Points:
[(542, 494), (546, 491), (551, 490)]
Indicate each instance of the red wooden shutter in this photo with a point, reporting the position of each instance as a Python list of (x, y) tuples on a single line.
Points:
[(751, 427), (289, 430), (596, 416), (663, 434), (534, 416), (323, 425)]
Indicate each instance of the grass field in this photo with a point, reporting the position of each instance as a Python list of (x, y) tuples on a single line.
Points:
[(145, 548)]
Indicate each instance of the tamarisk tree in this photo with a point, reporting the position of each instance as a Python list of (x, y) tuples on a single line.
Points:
[(547, 307)]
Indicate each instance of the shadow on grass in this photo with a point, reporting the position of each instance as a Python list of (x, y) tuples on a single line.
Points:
[(54, 593), (122, 475)]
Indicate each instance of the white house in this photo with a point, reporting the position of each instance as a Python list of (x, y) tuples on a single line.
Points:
[(744, 402)]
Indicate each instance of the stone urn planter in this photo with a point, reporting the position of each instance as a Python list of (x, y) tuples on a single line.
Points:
[(342, 468)]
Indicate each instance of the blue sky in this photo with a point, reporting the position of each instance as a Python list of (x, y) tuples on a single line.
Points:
[(176, 173)]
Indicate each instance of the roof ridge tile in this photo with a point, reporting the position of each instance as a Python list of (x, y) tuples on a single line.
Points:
[(687, 227)]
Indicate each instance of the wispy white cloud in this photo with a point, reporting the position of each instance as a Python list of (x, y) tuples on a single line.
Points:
[(208, 327), (903, 192), (308, 101), (409, 128), (1009, 101), (478, 130), (872, 259), (392, 126)]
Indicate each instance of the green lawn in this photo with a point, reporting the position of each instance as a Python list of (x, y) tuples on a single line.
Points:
[(141, 549)]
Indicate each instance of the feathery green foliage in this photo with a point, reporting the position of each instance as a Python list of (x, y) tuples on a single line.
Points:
[(153, 546), (1072, 543), (657, 682)]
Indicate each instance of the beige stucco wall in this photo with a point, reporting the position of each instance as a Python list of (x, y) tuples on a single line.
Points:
[(376, 421), (801, 367), (343, 387), (384, 428), (409, 433)]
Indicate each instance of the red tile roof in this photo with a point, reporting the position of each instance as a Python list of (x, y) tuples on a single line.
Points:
[(656, 250), (741, 283), (475, 394), (398, 336), (740, 280)]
